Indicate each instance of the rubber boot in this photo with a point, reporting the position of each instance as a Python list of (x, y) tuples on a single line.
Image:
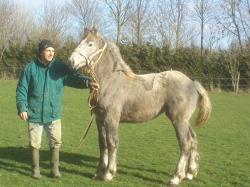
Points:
[(54, 163), (35, 164)]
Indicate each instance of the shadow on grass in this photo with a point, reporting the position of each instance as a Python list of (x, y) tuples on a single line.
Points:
[(139, 173), (141, 168), (18, 159)]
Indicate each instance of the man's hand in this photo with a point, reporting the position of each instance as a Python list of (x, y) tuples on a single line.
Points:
[(94, 85), (23, 116)]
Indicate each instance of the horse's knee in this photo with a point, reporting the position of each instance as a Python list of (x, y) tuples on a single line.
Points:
[(112, 146), (112, 141)]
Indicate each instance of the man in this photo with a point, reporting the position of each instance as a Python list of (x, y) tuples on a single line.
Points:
[(38, 99)]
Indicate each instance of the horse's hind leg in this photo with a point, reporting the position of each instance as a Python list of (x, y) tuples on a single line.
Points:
[(194, 156), (103, 160), (184, 140)]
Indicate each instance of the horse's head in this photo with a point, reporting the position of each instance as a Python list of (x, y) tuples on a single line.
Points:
[(88, 51)]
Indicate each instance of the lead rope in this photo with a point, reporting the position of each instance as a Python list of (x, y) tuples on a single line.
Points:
[(92, 100), (93, 96)]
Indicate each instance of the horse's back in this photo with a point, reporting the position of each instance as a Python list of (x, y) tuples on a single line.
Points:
[(169, 80)]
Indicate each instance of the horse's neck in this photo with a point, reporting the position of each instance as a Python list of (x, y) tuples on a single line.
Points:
[(104, 68), (111, 63)]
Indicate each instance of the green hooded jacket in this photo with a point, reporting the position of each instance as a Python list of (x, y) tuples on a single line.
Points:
[(40, 89)]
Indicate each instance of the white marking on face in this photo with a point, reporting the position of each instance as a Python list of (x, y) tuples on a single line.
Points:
[(79, 57)]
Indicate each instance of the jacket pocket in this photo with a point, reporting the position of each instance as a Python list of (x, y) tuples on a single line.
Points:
[(33, 109)]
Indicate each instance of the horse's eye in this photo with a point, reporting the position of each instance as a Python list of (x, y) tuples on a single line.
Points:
[(90, 44)]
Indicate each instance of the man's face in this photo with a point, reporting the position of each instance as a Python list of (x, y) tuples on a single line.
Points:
[(47, 55)]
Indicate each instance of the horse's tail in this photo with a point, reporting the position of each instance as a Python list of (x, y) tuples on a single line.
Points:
[(205, 107)]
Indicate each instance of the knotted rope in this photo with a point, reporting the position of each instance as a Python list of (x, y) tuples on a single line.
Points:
[(93, 95)]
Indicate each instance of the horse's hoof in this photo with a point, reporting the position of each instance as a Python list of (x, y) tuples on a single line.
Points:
[(174, 181), (189, 176), (108, 177)]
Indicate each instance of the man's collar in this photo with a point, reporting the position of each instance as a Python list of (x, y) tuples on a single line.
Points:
[(45, 65)]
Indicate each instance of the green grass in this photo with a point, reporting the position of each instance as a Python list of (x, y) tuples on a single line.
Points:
[(147, 154)]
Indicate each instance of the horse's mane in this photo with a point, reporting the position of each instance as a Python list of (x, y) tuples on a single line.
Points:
[(120, 64)]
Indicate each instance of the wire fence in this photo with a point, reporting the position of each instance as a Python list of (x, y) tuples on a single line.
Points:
[(210, 83), (223, 83)]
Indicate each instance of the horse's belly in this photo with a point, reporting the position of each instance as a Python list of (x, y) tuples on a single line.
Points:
[(139, 112)]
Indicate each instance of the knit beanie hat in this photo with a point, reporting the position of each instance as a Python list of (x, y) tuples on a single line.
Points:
[(44, 44)]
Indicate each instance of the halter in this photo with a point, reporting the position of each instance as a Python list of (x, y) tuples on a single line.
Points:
[(89, 59)]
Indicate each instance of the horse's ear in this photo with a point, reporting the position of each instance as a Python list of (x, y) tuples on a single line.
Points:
[(86, 30), (94, 30)]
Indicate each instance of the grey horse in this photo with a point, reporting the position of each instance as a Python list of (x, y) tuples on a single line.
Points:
[(124, 96)]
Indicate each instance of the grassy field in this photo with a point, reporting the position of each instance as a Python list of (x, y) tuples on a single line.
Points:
[(148, 152)]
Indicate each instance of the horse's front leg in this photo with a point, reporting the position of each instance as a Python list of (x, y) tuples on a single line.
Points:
[(103, 160), (111, 127)]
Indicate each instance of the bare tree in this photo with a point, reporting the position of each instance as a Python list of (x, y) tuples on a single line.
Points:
[(233, 24), (6, 24), (203, 13), (53, 21), (163, 23), (85, 12), (120, 10), (176, 16), (170, 21), (248, 5), (213, 36), (233, 63), (140, 19), (230, 20), (14, 26), (244, 16)]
